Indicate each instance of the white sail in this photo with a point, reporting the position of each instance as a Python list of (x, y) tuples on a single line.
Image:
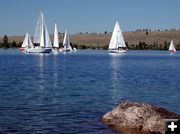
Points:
[(42, 39), (27, 41), (30, 44), (56, 40), (66, 42), (117, 39), (37, 34), (41, 33), (47, 38), (172, 47)]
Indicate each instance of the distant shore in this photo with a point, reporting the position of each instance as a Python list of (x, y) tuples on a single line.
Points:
[(141, 39)]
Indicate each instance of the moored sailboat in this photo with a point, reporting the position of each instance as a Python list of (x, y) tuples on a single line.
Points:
[(117, 43), (172, 47), (66, 43), (42, 42), (27, 43)]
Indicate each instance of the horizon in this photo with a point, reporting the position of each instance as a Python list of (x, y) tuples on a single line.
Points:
[(100, 33), (88, 16)]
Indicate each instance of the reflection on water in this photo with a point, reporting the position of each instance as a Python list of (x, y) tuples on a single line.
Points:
[(41, 77), (55, 71), (115, 63), (116, 54), (171, 53), (41, 81)]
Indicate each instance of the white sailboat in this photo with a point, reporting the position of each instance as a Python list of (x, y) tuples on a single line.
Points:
[(56, 39), (172, 47), (42, 42), (117, 43), (27, 43), (66, 43)]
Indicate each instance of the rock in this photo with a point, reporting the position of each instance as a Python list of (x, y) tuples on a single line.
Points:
[(142, 118)]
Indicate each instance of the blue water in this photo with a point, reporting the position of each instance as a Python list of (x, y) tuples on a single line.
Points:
[(69, 93)]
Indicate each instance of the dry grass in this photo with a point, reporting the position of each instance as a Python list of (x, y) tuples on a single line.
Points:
[(158, 37)]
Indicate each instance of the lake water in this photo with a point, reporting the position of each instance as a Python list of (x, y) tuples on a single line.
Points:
[(69, 93)]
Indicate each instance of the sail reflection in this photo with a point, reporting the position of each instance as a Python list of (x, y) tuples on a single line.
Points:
[(116, 54), (55, 71), (41, 80), (40, 98), (115, 80)]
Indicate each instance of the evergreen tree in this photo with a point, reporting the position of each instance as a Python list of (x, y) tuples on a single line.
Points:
[(140, 45), (14, 44), (5, 39)]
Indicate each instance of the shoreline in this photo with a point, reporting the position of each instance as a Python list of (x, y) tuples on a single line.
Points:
[(135, 40)]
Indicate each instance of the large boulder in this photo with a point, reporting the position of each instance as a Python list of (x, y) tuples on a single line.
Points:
[(142, 118)]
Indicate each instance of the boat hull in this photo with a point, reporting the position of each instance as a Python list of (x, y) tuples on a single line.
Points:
[(39, 50), (55, 50), (118, 51), (172, 51), (66, 50), (22, 49)]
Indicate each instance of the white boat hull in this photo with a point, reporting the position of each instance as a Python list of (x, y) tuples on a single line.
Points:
[(118, 51), (67, 50), (39, 50), (55, 49)]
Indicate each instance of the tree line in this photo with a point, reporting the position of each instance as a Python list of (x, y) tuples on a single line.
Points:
[(6, 44), (140, 46), (155, 46)]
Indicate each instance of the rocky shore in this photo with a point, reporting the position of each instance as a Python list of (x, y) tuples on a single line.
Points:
[(138, 117)]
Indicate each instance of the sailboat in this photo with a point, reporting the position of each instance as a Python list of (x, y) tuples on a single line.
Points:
[(27, 43), (42, 42), (66, 43), (172, 47), (117, 43), (56, 39)]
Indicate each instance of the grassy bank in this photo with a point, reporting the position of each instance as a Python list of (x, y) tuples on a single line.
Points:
[(138, 40)]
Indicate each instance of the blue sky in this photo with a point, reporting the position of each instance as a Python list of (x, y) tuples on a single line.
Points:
[(19, 16)]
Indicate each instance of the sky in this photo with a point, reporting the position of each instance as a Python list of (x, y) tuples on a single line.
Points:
[(19, 16)]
